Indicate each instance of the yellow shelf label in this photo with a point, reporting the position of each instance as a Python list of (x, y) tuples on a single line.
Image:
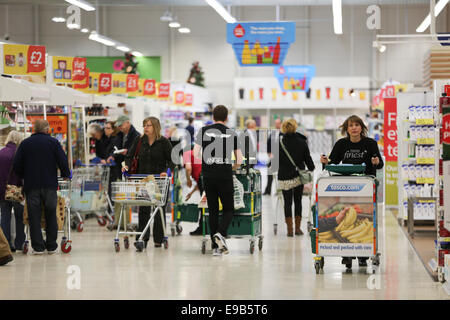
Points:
[(427, 201), (424, 121), (425, 141), (425, 160), (425, 180), (444, 239)]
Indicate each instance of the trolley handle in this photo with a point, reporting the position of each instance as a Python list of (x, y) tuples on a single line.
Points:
[(112, 164)]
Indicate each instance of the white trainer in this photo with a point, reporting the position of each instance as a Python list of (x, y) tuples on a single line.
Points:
[(36, 253), (220, 241), (217, 252), (53, 251)]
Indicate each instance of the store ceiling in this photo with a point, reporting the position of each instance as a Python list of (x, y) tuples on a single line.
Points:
[(224, 2)]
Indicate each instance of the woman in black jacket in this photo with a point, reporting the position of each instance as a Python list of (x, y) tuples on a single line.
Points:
[(288, 177), (153, 152)]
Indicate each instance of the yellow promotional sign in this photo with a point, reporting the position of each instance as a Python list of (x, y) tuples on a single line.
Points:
[(94, 80), (19, 59), (68, 69), (119, 83)]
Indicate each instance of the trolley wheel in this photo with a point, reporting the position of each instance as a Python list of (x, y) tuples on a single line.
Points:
[(317, 266), (203, 247), (139, 246), (166, 244), (179, 229), (110, 226), (101, 221), (73, 224), (275, 227), (348, 266), (376, 260), (126, 243), (80, 226), (25, 247), (260, 244), (252, 247), (172, 230), (66, 246), (117, 246), (321, 262)]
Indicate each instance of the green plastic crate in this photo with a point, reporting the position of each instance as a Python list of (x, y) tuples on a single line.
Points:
[(240, 225), (187, 213)]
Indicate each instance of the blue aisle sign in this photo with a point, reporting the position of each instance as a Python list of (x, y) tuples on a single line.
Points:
[(295, 78), (260, 44)]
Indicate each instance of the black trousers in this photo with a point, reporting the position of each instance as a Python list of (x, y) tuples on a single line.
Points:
[(219, 189), (269, 179), (295, 194), (6, 208), (36, 200), (200, 189)]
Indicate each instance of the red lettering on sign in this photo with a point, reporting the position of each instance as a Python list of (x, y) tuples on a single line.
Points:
[(446, 129), (132, 83), (105, 82), (36, 59), (239, 31), (149, 87), (390, 129), (79, 69), (164, 90)]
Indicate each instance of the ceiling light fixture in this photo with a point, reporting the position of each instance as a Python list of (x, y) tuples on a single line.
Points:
[(73, 26), (184, 30), (337, 16), (137, 54), (174, 24), (82, 4), (221, 11), (167, 17), (123, 48), (427, 21), (382, 48), (58, 19), (102, 39), (85, 30)]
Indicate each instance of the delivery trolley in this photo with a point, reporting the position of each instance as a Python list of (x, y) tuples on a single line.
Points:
[(62, 216), (357, 234), (247, 221), (140, 190), (307, 192), (181, 212), (90, 194)]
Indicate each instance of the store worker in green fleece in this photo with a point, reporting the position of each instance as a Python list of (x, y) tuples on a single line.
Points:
[(355, 148)]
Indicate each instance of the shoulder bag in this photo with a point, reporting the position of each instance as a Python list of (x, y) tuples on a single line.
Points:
[(13, 192), (304, 176), (135, 160)]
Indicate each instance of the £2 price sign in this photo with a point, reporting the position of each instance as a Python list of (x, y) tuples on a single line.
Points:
[(36, 59), (105, 83), (149, 87), (132, 83)]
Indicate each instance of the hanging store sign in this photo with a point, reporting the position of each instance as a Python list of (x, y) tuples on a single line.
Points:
[(260, 43), (188, 99), (84, 86), (164, 90), (179, 97), (105, 83), (132, 83), (149, 87), (295, 78), (21, 59), (119, 83), (391, 150), (68, 69)]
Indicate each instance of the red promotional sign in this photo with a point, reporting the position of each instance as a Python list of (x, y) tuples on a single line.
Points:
[(132, 83), (36, 59), (447, 90), (85, 85), (105, 83), (390, 91), (179, 97), (446, 129), (383, 93), (188, 99), (149, 87), (79, 69), (239, 32), (164, 90), (390, 129)]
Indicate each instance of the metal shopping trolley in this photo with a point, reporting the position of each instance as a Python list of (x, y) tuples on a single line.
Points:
[(307, 192), (357, 234), (247, 221), (140, 190), (90, 194), (62, 215)]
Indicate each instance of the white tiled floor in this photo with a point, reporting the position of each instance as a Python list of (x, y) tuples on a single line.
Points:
[(283, 270)]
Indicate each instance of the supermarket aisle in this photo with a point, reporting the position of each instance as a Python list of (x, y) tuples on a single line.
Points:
[(284, 270)]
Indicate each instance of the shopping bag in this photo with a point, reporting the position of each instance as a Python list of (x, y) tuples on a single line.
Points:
[(238, 194)]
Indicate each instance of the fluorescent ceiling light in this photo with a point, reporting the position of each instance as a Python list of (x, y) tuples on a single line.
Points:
[(123, 48), (221, 10), (174, 24), (184, 30), (382, 48), (337, 16), (102, 39), (167, 17), (427, 21), (58, 19), (73, 26), (82, 4), (137, 54), (85, 30)]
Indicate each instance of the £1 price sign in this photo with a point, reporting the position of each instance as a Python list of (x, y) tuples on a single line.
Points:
[(149, 87), (105, 83), (132, 83)]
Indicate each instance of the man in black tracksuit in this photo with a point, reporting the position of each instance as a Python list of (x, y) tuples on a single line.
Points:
[(215, 145)]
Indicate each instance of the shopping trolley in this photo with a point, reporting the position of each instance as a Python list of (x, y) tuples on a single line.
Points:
[(63, 214), (247, 221), (307, 192), (90, 194), (357, 234), (140, 190)]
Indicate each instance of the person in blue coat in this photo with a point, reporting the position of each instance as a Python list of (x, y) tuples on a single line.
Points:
[(37, 161)]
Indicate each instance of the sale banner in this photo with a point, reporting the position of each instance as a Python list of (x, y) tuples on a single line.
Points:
[(21, 59), (105, 83), (58, 123), (164, 91), (68, 69), (391, 150), (85, 85), (188, 99), (179, 97), (119, 83), (149, 87), (132, 83)]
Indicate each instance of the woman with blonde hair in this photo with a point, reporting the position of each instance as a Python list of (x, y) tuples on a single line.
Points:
[(294, 154), (9, 177), (153, 152)]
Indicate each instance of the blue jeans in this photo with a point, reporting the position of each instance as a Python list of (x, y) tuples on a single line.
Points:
[(6, 207)]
